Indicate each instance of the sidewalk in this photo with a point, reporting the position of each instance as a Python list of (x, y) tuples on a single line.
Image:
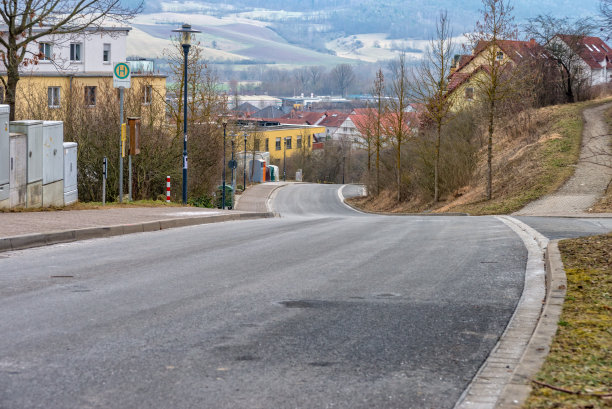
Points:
[(33, 229), (255, 198), (591, 177)]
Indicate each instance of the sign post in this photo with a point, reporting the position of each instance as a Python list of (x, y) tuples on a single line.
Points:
[(104, 176), (121, 79)]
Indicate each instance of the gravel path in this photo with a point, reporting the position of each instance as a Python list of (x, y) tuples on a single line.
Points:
[(592, 176)]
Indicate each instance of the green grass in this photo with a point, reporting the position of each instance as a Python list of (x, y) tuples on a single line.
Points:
[(580, 359)]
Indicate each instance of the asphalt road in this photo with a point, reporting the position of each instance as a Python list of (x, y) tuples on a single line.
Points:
[(321, 308), (555, 228)]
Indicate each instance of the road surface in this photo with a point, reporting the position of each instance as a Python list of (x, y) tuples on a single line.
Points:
[(323, 307)]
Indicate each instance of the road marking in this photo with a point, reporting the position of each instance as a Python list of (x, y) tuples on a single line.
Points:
[(342, 198)]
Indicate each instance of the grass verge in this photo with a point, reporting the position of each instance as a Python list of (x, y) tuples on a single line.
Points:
[(95, 205), (580, 359), (542, 169)]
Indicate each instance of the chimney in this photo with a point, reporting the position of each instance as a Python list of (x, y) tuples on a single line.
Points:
[(532, 41)]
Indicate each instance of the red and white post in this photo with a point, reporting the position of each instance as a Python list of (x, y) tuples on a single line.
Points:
[(167, 189)]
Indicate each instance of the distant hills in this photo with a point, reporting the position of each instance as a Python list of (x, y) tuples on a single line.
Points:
[(318, 32)]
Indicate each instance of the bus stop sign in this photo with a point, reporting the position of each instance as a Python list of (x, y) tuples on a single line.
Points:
[(122, 75)]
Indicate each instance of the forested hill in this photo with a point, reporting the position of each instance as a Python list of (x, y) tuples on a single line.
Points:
[(398, 18)]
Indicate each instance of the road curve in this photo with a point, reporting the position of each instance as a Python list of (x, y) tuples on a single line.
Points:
[(322, 307)]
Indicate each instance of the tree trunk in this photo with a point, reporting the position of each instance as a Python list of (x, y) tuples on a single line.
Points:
[(437, 165), (490, 151), (570, 92), (399, 170), (12, 71)]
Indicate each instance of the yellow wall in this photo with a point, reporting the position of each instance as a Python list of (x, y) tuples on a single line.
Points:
[(290, 132), (31, 98)]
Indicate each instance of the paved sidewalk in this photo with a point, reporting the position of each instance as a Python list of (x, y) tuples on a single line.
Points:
[(33, 229), (591, 178), (255, 198)]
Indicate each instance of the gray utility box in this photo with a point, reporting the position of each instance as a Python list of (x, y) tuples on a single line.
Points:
[(259, 170), (52, 151), (34, 133), (19, 171), (4, 156), (53, 163), (71, 193)]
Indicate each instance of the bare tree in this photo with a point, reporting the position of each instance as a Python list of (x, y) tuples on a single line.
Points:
[(315, 73), (563, 39), (344, 76), (27, 21), (430, 86), (381, 107), (397, 123), (496, 80), (605, 6), (301, 76)]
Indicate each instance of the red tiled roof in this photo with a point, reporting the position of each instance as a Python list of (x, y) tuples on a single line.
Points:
[(593, 50), (302, 117), (333, 119), (515, 50)]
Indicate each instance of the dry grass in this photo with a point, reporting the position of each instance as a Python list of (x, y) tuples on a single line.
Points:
[(580, 359), (534, 155), (94, 205)]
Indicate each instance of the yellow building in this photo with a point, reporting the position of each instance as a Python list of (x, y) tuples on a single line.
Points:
[(471, 71), (48, 96), (282, 140)]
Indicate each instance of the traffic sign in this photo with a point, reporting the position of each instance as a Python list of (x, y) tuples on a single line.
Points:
[(122, 75), (232, 164)]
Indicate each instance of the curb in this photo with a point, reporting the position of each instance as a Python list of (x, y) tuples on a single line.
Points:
[(519, 387), (45, 239), (491, 380)]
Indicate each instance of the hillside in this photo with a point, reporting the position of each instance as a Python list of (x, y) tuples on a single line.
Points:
[(533, 155), (319, 32)]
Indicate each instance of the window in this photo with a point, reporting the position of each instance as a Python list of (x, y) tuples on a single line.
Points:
[(147, 92), (75, 52), (90, 96), (45, 50), (469, 93), (499, 56), (299, 141), (106, 55), (53, 97), (257, 144), (267, 145), (278, 144), (288, 142)]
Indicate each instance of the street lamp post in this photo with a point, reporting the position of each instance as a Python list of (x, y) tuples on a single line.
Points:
[(186, 32), (244, 164), (285, 162), (223, 193)]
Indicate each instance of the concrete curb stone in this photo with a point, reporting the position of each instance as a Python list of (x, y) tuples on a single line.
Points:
[(519, 387), (42, 239)]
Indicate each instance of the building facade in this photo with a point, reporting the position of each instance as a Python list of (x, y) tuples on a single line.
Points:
[(79, 67)]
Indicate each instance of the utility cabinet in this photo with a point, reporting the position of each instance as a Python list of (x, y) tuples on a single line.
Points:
[(71, 193), (53, 163), (4, 156), (19, 171), (34, 136)]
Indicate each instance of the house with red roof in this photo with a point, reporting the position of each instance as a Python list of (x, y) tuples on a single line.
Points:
[(595, 57), (462, 83)]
